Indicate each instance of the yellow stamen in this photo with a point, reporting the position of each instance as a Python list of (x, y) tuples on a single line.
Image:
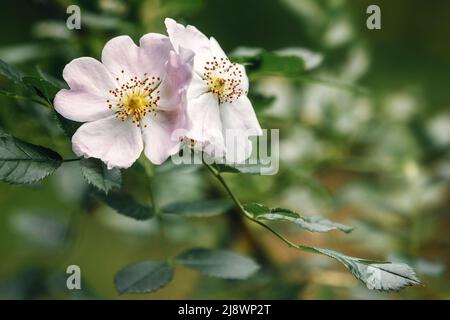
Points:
[(224, 79), (135, 98), (218, 85), (136, 103)]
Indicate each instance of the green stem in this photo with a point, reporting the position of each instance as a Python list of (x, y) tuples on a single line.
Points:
[(156, 212), (237, 221), (152, 198), (249, 216), (230, 193)]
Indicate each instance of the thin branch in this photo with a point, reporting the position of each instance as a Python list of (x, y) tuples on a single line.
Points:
[(249, 216), (156, 211), (237, 220)]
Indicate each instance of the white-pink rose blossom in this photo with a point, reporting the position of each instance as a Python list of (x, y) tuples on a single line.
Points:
[(218, 106), (133, 100)]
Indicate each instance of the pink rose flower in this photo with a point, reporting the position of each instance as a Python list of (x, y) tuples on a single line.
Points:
[(133, 100)]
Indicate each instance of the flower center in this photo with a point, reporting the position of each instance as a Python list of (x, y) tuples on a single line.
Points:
[(218, 85), (136, 103), (223, 79), (135, 98)]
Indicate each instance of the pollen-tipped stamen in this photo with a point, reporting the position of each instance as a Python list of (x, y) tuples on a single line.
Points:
[(135, 98), (224, 79)]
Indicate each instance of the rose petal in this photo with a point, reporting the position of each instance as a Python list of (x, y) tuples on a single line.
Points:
[(122, 54), (88, 75), (239, 122), (175, 83), (81, 106), (197, 87), (216, 49), (161, 138), (117, 143), (205, 122), (191, 38), (239, 115), (154, 52), (188, 37)]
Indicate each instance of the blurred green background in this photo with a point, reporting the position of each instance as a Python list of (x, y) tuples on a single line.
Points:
[(377, 159)]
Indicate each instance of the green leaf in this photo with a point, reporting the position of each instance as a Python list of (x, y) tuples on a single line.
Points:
[(69, 127), (15, 76), (126, 205), (201, 208), (97, 174), (261, 102), (51, 79), (143, 277), (310, 59), (10, 72), (263, 63), (11, 94), (238, 168), (42, 87), (272, 63), (310, 223), (218, 263), (383, 276), (23, 162)]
